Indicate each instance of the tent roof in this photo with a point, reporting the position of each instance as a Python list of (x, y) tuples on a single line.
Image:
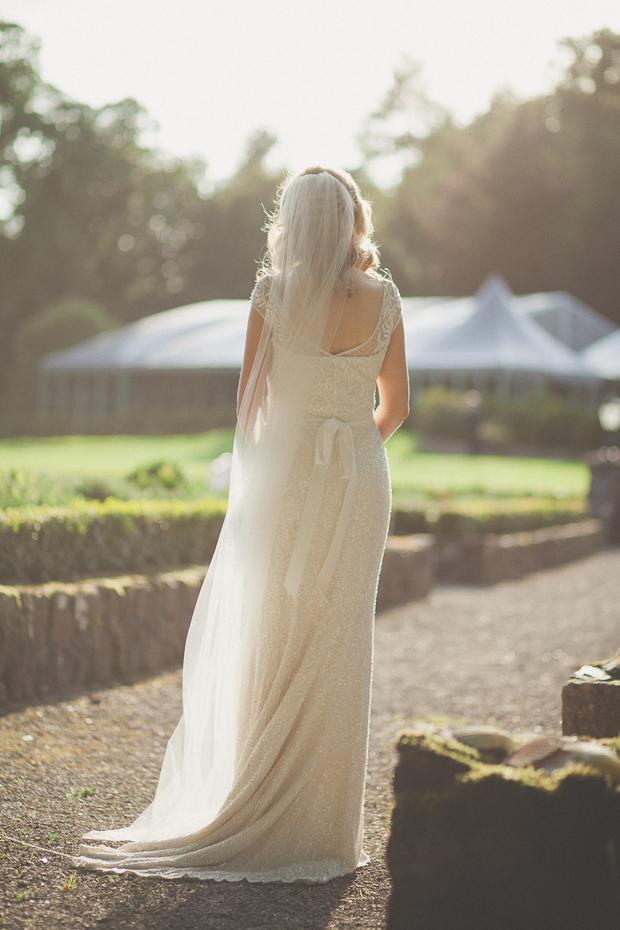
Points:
[(485, 332), (204, 335), (563, 316), (604, 356)]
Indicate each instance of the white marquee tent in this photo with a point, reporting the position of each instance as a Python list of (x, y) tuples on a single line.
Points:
[(468, 341), (563, 316), (190, 357), (204, 335), (179, 366), (604, 356)]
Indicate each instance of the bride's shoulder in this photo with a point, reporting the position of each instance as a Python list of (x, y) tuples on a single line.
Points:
[(383, 279), (260, 294)]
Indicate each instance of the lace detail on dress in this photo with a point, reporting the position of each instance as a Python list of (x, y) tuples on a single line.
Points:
[(271, 312), (378, 341), (260, 296)]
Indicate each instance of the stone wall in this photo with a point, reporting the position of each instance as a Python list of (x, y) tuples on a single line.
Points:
[(488, 559), (408, 571), (55, 637)]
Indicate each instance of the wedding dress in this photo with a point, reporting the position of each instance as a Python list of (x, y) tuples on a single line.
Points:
[(271, 786)]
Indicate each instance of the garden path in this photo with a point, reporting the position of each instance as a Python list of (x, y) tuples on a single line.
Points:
[(472, 654)]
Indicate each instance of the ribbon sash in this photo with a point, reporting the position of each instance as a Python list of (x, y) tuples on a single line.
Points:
[(331, 431)]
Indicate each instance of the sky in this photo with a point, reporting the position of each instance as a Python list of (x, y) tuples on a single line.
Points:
[(210, 73)]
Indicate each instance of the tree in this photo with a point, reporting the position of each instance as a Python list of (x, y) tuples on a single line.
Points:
[(64, 324), (234, 217), (415, 135), (82, 202), (586, 108), (530, 190), (549, 188)]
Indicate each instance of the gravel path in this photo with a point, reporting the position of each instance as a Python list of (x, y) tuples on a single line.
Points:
[(472, 654)]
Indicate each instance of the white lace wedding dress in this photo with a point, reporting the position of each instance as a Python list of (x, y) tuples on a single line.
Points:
[(295, 810)]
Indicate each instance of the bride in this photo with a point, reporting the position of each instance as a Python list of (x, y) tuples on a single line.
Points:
[(263, 778)]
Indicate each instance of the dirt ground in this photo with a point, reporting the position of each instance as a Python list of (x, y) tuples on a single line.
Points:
[(497, 654)]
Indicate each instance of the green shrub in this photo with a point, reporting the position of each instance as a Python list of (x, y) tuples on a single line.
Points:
[(439, 414), (27, 488), (90, 539), (30, 488), (543, 420), (164, 475), (479, 516), (95, 489)]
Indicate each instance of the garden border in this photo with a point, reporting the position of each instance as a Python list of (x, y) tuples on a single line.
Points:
[(60, 636)]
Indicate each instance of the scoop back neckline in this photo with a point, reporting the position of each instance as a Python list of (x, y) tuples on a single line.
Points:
[(372, 335), (343, 353)]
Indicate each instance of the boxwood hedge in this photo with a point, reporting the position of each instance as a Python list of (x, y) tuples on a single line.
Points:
[(486, 515), (92, 539)]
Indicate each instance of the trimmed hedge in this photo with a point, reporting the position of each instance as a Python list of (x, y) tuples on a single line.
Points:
[(92, 539), (480, 516)]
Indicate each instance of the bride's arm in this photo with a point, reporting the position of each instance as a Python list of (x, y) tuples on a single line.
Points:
[(252, 342), (393, 384), (252, 339)]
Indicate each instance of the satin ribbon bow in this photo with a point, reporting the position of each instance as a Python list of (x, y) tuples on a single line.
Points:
[(330, 431)]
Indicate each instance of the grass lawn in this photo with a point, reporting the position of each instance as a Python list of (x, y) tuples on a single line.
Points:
[(413, 474), (114, 456), (417, 474)]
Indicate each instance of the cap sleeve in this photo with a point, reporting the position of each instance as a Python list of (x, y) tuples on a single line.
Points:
[(260, 296), (394, 314)]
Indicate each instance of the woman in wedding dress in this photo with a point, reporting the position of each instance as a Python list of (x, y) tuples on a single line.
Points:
[(263, 778)]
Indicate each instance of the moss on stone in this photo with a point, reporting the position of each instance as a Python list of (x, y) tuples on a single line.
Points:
[(497, 848)]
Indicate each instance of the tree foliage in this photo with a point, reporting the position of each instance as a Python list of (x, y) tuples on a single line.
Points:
[(90, 213), (530, 190)]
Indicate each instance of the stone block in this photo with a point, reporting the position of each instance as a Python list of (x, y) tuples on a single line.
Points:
[(492, 558), (591, 701), (110, 650), (17, 660), (63, 640), (475, 846), (460, 560), (40, 611), (408, 570), (87, 623)]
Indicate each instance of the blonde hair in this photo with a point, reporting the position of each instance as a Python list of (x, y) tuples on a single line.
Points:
[(363, 254)]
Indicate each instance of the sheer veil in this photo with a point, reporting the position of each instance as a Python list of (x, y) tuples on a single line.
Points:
[(311, 256)]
